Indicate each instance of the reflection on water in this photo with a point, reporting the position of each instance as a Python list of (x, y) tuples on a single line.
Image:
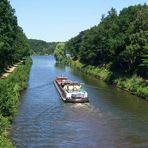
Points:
[(60, 66), (112, 118)]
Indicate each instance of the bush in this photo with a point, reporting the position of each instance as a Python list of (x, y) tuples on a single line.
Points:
[(5, 142), (134, 84)]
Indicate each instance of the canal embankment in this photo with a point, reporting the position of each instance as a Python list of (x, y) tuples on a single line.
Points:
[(134, 84), (11, 85)]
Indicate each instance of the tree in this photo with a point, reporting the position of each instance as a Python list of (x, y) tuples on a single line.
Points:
[(118, 40), (41, 47), (59, 51), (13, 42)]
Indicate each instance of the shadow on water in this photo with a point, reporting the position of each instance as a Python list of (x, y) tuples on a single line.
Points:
[(59, 66), (113, 118)]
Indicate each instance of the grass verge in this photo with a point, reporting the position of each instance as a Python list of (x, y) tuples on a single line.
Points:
[(133, 84), (10, 90)]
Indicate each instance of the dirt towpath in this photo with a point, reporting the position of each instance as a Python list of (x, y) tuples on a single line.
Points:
[(9, 70)]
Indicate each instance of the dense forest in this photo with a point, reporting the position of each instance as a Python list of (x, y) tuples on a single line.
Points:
[(119, 42), (13, 42), (39, 47)]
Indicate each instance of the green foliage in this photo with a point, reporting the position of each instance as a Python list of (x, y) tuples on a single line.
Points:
[(4, 123), (10, 88), (5, 142), (134, 84), (134, 50), (59, 52), (143, 67), (13, 42), (118, 39), (39, 47)]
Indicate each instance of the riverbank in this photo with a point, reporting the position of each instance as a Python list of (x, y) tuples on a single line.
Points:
[(10, 90), (133, 84)]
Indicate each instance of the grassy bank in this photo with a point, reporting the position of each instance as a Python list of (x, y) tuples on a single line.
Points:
[(133, 84), (10, 90)]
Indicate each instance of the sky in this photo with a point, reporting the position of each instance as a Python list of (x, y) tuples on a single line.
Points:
[(60, 20)]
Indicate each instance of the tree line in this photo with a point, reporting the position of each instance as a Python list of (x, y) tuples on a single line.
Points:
[(119, 42), (13, 42), (40, 47)]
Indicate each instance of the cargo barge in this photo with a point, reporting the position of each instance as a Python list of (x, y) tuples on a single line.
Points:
[(70, 91)]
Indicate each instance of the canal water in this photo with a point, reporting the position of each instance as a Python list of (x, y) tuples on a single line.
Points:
[(112, 118)]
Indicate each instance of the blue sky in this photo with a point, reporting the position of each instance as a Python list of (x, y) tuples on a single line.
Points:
[(59, 20)]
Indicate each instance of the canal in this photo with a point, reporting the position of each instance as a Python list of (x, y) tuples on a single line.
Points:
[(112, 118)]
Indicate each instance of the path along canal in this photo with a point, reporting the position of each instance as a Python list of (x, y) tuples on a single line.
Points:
[(112, 118)]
